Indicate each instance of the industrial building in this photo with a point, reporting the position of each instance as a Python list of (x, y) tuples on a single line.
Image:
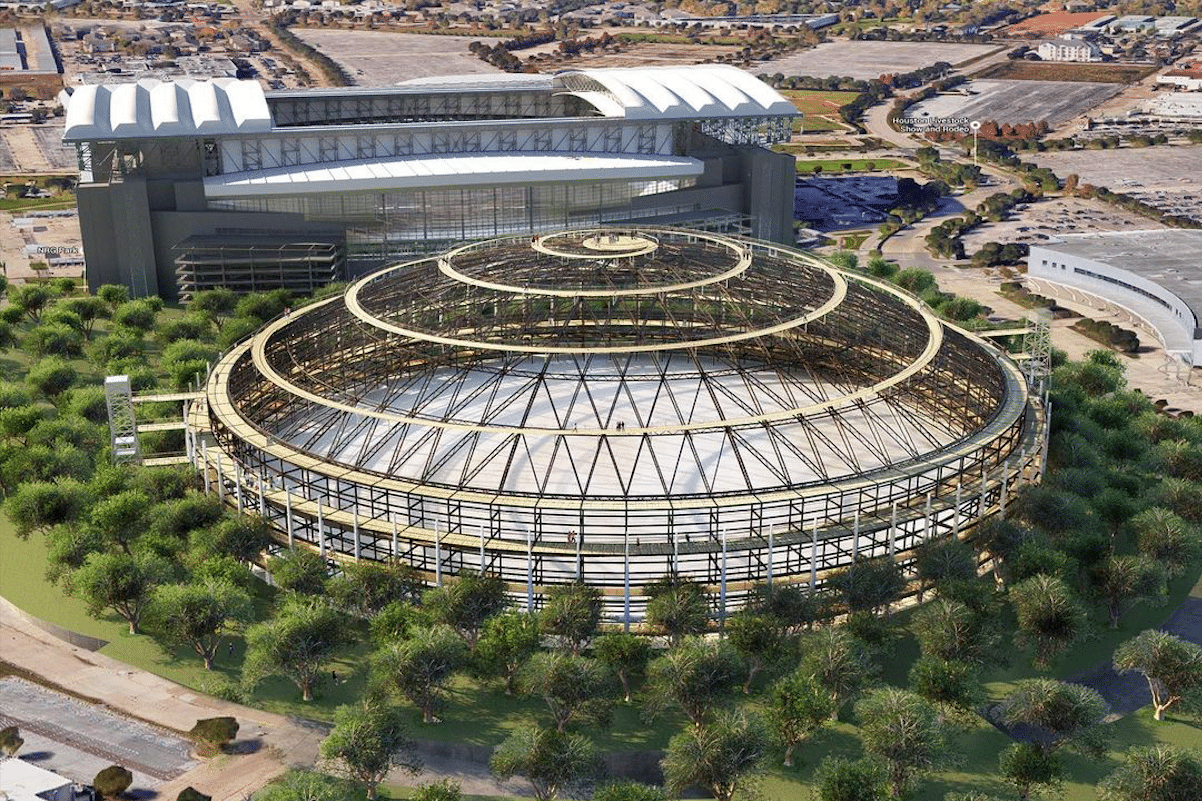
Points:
[(615, 405), (1154, 275), (171, 169)]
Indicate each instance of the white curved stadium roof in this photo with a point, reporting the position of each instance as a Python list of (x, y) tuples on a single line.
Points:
[(151, 108), (685, 92)]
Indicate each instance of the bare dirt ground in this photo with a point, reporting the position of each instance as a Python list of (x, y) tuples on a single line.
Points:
[(375, 58), (1038, 222), (642, 54), (867, 60)]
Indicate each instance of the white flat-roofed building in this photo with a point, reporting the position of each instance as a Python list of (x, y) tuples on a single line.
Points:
[(1155, 275), (21, 781), (1069, 49), (403, 170)]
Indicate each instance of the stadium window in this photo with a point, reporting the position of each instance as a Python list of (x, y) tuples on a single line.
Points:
[(577, 139), (542, 139), (402, 145), (290, 152), (613, 140), (327, 149), (365, 147), (646, 139), (252, 154), (507, 140)]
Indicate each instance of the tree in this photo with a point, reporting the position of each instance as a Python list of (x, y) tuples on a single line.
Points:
[(465, 602), (791, 606), (420, 667), (1122, 581), (626, 655), (31, 299), (677, 607), (113, 294), (869, 585), (948, 629), (695, 676), (121, 582), (758, 640), (215, 304), (199, 615), (952, 685), (445, 790), (797, 707), (243, 537), (1050, 618), (112, 781), (506, 642), (551, 761), (717, 755), (295, 643), (1027, 767), (136, 315), (307, 785), (1171, 666), (41, 505), (1069, 714), (905, 731), (629, 791), (840, 779), (572, 614), (1167, 538), (10, 741), (367, 741), (192, 794), (837, 661), (364, 588), (212, 735), (89, 309), (51, 377), (937, 561), (298, 570), (573, 687), (1159, 773)]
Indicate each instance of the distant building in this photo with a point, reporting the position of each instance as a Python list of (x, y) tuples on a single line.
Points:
[(307, 186), (1187, 78), (21, 781), (1153, 274), (1069, 49)]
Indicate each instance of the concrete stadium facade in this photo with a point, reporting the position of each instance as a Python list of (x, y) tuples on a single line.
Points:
[(188, 185)]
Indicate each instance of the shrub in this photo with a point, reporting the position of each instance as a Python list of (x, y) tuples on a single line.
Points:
[(211, 735), (112, 781)]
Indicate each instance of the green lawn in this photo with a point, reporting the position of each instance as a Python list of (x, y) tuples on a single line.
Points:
[(820, 109), (810, 166)]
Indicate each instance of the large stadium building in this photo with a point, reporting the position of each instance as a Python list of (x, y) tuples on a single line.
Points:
[(614, 405), (187, 185)]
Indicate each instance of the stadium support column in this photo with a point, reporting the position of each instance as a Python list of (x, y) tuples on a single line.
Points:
[(771, 551), (626, 581), (321, 530), (238, 485), (204, 463), (722, 590), (529, 571), (814, 560), (288, 516)]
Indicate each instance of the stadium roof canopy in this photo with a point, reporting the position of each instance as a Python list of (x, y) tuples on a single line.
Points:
[(688, 92), (151, 108)]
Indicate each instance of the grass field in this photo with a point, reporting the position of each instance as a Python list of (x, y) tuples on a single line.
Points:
[(820, 109), (1047, 71), (810, 166)]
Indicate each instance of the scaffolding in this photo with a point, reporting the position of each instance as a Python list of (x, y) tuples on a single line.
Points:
[(123, 428)]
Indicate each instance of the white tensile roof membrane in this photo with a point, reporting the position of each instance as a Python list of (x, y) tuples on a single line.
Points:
[(685, 92), (152, 108)]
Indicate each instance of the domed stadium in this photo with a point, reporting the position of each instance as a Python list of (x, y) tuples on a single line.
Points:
[(616, 405)]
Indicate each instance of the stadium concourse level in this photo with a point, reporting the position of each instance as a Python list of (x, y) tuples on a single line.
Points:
[(614, 405)]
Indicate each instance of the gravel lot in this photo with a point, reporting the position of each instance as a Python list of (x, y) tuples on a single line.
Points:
[(1167, 177), (1018, 101), (376, 58), (77, 739), (869, 59), (1035, 223)]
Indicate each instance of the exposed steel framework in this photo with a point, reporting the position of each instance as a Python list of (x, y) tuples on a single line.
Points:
[(614, 405)]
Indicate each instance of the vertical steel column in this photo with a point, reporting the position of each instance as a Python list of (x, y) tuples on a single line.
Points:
[(396, 551), (481, 549), (529, 571), (928, 532), (204, 463), (321, 531), (956, 517), (355, 525), (262, 499), (814, 559), (288, 517), (984, 493), (855, 536), (437, 555), (722, 590), (220, 478), (238, 485), (626, 581), (771, 550), (1005, 486), (893, 533)]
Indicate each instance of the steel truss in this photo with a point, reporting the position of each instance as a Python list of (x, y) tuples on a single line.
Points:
[(862, 431)]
